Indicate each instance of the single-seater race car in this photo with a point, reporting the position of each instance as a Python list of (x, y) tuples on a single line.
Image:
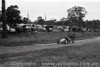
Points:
[(63, 41)]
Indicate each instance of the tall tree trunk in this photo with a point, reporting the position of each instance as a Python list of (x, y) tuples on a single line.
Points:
[(4, 20)]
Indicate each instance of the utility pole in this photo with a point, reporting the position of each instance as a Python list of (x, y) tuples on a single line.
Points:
[(4, 32)]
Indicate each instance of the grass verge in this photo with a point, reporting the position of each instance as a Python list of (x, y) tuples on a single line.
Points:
[(87, 55), (42, 37)]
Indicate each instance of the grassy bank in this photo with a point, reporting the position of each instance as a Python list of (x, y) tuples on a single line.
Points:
[(42, 37), (88, 55)]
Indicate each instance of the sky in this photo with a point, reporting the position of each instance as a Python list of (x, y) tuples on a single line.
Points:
[(55, 8)]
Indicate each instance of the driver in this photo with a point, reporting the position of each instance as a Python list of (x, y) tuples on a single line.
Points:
[(67, 38)]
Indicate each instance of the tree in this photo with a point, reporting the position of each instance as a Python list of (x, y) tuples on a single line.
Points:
[(53, 20), (13, 15), (76, 15), (63, 19), (25, 20), (40, 20), (4, 19), (0, 16)]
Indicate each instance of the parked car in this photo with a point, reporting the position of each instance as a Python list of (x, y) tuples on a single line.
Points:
[(39, 28), (11, 29)]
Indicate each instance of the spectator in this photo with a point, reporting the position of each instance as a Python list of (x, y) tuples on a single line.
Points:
[(72, 37), (47, 28)]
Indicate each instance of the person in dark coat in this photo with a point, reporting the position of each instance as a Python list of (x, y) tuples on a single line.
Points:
[(72, 37)]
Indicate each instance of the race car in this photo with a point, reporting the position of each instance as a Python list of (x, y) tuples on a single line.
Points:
[(63, 41)]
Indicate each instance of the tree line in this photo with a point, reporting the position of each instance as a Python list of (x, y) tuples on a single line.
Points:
[(75, 17), (13, 16)]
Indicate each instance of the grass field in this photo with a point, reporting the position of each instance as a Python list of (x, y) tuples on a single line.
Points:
[(87, 55), (42, 37)]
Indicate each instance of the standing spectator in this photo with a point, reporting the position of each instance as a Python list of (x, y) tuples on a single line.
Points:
[(72, 37), (47, 28)]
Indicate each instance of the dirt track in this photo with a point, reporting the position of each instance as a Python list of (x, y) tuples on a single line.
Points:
[(19, 49)]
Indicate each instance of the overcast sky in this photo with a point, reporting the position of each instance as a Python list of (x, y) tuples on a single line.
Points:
[(55, 8)]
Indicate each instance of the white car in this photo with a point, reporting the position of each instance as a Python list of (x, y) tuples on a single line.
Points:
[(9, 29), (63, 41), (1, 29), (39, 28), (12, 30)]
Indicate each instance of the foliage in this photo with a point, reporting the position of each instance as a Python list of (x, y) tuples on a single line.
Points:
[(0, 16), (25, 20), (93, 24), (40, 20), (53, 20), (76, 14), (13, 15), (63, 19)]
